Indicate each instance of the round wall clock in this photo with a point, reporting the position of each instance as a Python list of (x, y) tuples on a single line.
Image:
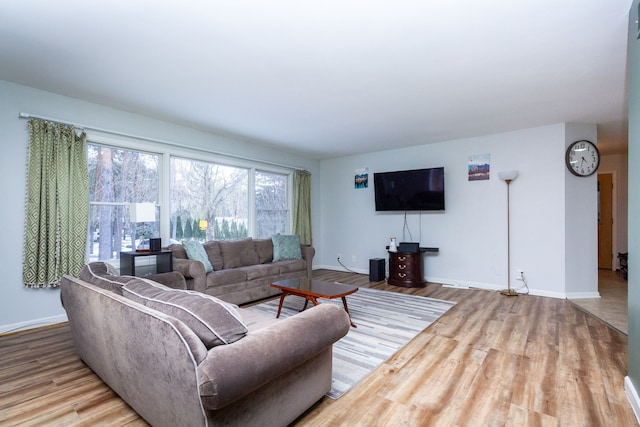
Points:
[(583, 158)]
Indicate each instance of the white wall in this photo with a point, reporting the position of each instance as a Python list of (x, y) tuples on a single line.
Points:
[(472, 232), (581, 229), (22, 307)]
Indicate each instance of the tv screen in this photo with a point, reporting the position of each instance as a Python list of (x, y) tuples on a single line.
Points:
[(410, 190)]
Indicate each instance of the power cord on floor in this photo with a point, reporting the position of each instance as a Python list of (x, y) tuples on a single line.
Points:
[(345, 267), (524, 280)]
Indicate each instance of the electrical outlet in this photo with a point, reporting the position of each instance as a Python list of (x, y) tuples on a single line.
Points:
[(339, 257), (353, 258), (520, 275)]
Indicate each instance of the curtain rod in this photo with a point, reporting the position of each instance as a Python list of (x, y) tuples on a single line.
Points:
[(23, 115)]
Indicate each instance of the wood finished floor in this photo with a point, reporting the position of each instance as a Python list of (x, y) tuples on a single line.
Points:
[(489, 361), (612, 306)]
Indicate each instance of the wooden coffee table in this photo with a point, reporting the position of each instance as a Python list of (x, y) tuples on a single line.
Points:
[(311, 290)]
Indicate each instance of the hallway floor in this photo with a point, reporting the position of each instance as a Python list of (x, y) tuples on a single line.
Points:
[(611, 307)]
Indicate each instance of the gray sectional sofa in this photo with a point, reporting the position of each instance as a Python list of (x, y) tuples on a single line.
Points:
[(183, 358), (242, 269)]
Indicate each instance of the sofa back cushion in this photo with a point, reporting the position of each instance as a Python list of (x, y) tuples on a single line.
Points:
[(212, 248), (214, 321), (178, 250), (238, 253), (104, 275), (264, 249)]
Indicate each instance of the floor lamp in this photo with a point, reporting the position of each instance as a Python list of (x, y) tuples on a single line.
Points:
[(507, 177)]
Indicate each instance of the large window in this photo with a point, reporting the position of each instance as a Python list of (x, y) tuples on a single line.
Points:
[(272, 206), (208, 201), (118, 177)]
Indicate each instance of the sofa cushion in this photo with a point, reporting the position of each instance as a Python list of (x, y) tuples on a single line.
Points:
[(104, 275), (214, 321), (259, 271), (178, 250), (286, 247), (196, 252), (99, 268), (264, 249), (171, 279), (237, 253), (291, 265), (141, 290), (226, 277), (213, 252)]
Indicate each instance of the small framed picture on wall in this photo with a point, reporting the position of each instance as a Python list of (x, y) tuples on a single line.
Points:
[(479, 167), (361, 179)]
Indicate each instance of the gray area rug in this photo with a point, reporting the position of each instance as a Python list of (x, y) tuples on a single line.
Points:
[(385, 322)]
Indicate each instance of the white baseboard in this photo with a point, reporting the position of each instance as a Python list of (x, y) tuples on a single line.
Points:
[(579, 295), (446, 285), (31, 324), (466, 284), (463, 284), (632, 395), (334, 268), (549, 294)]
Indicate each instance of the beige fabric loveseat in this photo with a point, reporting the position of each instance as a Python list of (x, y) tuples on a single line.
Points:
[(148, 343), (242, 269)]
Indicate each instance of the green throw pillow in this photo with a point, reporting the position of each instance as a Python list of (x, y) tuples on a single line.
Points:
[(286, 247), (196, 252)]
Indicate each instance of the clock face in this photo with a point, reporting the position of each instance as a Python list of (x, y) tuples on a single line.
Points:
[(583, 158)]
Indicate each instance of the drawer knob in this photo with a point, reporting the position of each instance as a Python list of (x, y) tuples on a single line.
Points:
[(402, 258), (402, 275), (402, 266)]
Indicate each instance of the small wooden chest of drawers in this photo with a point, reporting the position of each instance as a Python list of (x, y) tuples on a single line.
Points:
[(405, 269)]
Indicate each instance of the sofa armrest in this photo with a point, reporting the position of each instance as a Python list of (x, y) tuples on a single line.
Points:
[(232, 371), (308, 252), (192, 271)]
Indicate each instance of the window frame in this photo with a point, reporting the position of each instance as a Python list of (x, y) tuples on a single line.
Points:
[(250, 197), (120, 145), (289, 192), (169, 150)]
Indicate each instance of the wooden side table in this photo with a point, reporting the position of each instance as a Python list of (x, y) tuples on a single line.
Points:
[(405, 268), (164, 262)]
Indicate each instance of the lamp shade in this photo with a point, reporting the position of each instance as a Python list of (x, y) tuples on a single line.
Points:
[(508, 175), (142, 212)]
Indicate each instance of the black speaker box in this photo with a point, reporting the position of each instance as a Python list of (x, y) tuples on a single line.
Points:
[(155, 245), (376, 269), (409, 247)]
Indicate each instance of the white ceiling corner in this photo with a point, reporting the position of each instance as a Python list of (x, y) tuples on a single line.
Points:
[(331, 78)]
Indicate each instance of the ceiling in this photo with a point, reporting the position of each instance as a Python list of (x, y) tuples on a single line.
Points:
[(333, 77)]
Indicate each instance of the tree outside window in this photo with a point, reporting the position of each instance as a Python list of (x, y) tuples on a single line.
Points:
[(118, 177), (208, 201), (272, 212)]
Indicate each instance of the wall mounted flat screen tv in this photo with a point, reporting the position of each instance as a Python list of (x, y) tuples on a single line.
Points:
[(410, 190)]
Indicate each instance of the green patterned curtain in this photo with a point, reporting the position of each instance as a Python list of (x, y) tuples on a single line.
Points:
[(302, 206), (57, 211)]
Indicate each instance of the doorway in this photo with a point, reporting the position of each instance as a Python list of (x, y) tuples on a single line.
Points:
[(605, 221), (611, 306)]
